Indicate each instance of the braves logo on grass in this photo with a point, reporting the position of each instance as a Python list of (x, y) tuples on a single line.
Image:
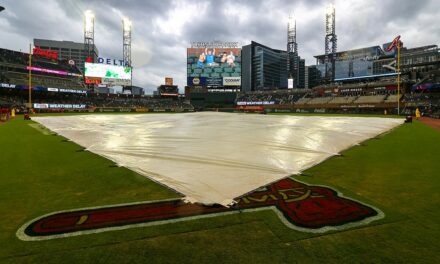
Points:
[(300, 206)]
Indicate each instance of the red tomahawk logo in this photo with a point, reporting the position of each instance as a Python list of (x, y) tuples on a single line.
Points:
[(303, 206)]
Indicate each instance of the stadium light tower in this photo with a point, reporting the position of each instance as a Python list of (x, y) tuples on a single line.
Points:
[(292, 50), (126, 42), (330, 41), (89, 34)]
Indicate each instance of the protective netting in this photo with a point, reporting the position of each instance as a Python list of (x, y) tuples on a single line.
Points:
[(216, 157)]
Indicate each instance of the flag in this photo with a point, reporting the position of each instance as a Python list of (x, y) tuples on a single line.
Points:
[(393, 44)]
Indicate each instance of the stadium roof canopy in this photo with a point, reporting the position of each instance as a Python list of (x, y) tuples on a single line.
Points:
[(366, 77)]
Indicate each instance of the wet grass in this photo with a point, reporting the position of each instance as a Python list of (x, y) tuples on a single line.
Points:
[(397, 172)]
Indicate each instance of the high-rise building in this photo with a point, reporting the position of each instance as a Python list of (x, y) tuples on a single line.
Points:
[(301, 73), (263, 68), (312, 76), (67, 50)]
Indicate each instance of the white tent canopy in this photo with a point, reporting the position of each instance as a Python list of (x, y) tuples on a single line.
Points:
[(216, 157)]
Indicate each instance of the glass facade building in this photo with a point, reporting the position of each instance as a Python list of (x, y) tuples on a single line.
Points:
[(373, 61), (263, 68)]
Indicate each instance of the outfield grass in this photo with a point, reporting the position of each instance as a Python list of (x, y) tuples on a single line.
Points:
[(397, 172)]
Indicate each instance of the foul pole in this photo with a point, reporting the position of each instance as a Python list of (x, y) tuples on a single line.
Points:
[(396, 44), (398, 77), (30, 79)]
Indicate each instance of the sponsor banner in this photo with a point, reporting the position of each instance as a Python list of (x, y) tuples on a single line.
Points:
[(7, 85), (41, 106), (121, 82), (142, 110), (214, 81), (281, 110), (169, 94), (215, 44), (46, 70), (74, 74), (57, 106), (169, 81), (50, 54), (196, 81), (111, 61), (231, 81), (221, 90), (250, 108), (52, 89), (290, 83), (351, 90), (391, 87), (256, 103), (426, 86), (61, 90), (92, 80)]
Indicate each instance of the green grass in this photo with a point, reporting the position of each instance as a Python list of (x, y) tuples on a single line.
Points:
[(397, 172)]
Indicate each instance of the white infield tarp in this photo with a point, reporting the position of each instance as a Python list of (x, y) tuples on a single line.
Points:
[(216, 157)]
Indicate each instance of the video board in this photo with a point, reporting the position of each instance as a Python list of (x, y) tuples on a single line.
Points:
[(214, 67), (98, 73)]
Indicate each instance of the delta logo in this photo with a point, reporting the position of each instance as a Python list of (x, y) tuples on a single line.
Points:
[(306, 208)]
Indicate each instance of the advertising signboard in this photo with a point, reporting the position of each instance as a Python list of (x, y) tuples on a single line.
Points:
[(108, 74), (196, 81), (169, 81), (50, 54), (290, 83), (231, 81)]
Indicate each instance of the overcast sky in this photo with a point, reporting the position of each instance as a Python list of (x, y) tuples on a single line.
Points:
[(163, 29)]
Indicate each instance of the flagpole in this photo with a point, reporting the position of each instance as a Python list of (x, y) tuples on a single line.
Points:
[(398, 77), (30, 78)]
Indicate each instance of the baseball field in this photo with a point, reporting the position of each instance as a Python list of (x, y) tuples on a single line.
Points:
[(377, 202)]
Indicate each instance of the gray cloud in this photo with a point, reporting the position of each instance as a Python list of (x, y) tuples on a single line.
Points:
[(162, 30)]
